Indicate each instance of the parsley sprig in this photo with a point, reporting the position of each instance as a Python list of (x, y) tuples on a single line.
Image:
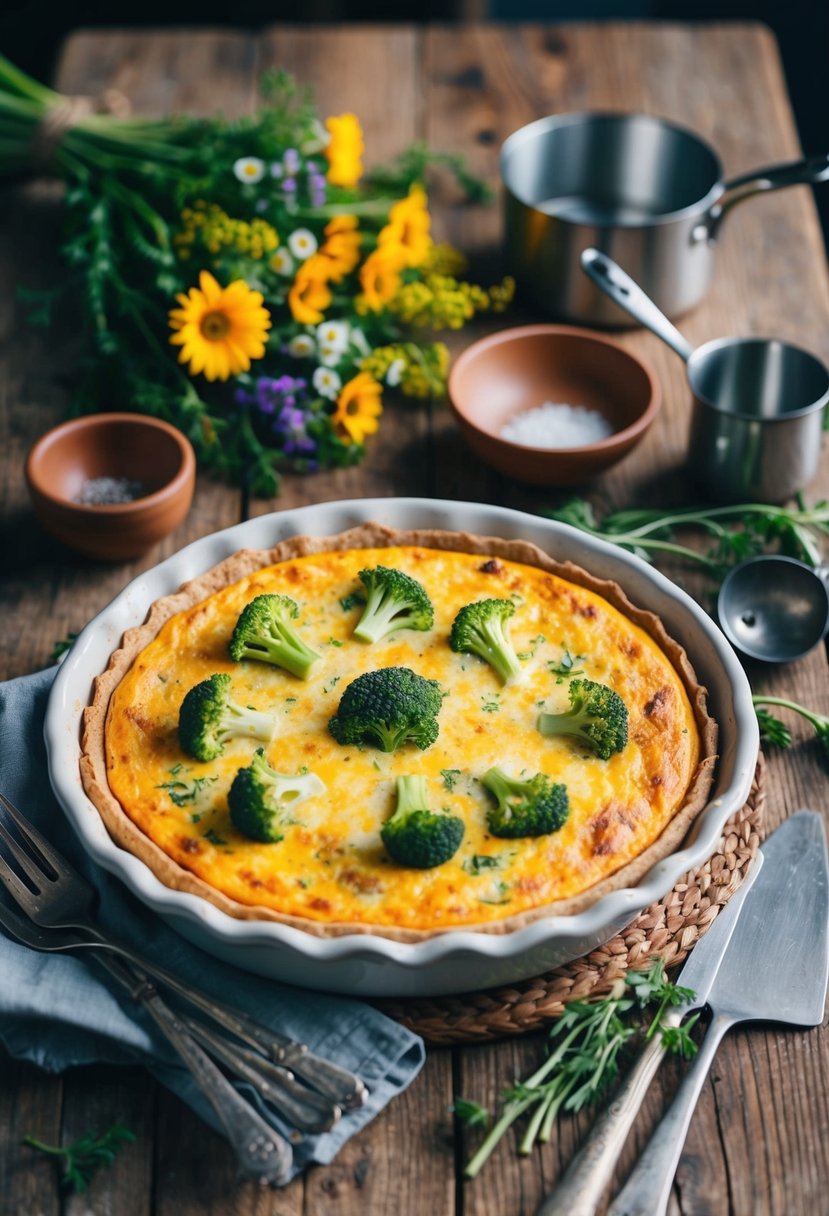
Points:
[(81, 1159), (587, 1044), (736, 531), (773, 731)]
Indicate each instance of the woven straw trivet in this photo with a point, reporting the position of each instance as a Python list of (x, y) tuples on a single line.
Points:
[(667, 929)]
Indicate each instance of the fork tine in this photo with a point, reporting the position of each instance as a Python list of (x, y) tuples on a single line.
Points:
[(23, 896), (23, 859), (37, 842)]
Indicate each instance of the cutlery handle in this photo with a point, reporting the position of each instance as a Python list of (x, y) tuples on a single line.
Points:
[(580, 1191), (648, 1189), (262, 1153), (344, 1088), (308, 1111)]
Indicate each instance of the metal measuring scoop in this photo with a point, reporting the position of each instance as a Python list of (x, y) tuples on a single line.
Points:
[(758, 403), (774, 608)]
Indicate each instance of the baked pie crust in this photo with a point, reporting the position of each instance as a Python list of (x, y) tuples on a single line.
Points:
[(330, 875)]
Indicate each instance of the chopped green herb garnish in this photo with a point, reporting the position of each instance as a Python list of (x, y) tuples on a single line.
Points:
[(86, 1155), (354, 600), (181, 793), (450, 777)]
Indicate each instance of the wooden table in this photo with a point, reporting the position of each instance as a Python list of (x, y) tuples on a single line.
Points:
[(758, 1145)]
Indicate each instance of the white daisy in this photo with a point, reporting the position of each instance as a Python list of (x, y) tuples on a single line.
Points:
[(302, 243), (282, 262), (333, 335), (395, 372), (301, 346), (249, 169), (329, 356), (326, 382)]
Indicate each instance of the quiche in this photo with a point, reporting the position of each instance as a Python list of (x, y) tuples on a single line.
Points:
[(329, 873)]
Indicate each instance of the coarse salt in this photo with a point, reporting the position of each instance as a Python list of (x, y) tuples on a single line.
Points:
[(109, 491), (557, 425)]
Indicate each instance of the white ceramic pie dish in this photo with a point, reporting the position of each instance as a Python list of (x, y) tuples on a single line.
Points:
[(456, 961)]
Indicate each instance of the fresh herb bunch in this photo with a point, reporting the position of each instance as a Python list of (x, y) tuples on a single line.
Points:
[(297, 289), (89, 1153), (587, 1044), (736, 532)]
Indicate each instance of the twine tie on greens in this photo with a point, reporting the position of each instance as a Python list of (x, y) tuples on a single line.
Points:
[(68, 112)]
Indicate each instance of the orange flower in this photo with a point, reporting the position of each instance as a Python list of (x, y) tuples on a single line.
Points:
[(344, 150), (380, 277), (408, 227), (341, 246), (219, 329), (359, 407), (310, 294)]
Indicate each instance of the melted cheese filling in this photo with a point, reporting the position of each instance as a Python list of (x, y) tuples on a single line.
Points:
[(331, 865)]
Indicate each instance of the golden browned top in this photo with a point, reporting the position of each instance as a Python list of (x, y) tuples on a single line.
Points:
[(331, 869)]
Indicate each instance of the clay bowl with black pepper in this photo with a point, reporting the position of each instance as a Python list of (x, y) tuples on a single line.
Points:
[(595, 402), (111, 486)]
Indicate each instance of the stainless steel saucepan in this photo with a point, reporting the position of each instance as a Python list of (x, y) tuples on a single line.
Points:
[(649, 194), (758, 403)]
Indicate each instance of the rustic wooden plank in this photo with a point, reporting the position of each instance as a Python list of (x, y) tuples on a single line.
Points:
[(197, 1174), (95, 1099), (404, 1161), (30, 1102), (387, 101)]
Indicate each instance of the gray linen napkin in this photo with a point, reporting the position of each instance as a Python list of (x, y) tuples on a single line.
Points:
[(57, 1010)]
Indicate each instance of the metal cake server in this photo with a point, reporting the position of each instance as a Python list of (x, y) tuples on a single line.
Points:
[(775, 970), (580, 1190)]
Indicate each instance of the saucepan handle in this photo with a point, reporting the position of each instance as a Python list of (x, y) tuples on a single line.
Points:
[(806, 172)]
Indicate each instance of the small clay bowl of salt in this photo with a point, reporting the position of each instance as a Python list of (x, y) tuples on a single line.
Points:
[(111, 485), (551, 404)]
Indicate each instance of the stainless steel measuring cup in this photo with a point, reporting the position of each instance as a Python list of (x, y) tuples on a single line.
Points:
[(649, 193), (757, 418)]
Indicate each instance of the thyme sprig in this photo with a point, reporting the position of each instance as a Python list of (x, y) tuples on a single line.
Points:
[(736, 532), (86, 1155), (587, 1044)]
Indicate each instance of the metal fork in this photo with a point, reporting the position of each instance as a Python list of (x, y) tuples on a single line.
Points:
[(57, 896), (262, 1153), (304, 1108)]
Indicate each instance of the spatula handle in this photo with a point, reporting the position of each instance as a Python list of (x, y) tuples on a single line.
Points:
[(648, 1189)]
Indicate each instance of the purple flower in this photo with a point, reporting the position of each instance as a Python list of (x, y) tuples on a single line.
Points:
[(283, 410), (289, 185), (291, 160)]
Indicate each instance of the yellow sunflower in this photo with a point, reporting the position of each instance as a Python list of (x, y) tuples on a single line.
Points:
[(359, 407), (219, 329), (344, 150)]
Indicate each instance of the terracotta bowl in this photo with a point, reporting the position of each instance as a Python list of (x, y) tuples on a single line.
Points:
[(140, 449), (519, 369)]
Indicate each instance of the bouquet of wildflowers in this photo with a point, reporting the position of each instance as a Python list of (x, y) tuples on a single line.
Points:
[(242, 279)]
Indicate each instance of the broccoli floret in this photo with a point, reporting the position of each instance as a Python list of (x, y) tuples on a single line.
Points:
[(209, 717), (597, 716), (481, 629), (414, 835), (387, 708), (261, 799), (775, 731), (394, 601), (533, 807), (264, 632)]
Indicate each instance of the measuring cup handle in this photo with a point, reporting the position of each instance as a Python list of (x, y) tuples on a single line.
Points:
[(621, 288), (808, 172)]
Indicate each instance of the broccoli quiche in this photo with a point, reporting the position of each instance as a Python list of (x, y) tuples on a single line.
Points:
[(399, 733)]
